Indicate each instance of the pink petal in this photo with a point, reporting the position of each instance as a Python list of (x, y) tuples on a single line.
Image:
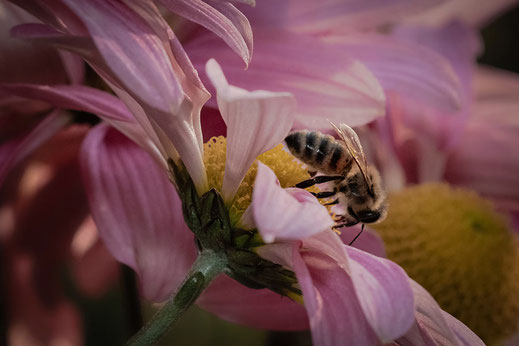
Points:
[(325, 81), (74, 97), (483, 160), (75, 67), (133, 52), (384, 294), (263, 309), (222, 18), (455, 41), (15, 150), (336, 317), (55, 14), (137, 211), (46, 34), (414, 71), (177, 127), (336, 16), (256, 122), (285, 213), (492, 83), (95, 271)]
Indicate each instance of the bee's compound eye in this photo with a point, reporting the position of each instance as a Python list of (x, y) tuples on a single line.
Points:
[(368, 216)]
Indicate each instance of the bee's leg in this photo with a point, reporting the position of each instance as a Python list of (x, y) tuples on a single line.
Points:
[(332, 202), (319, 180), (340, 218), (324, 194)]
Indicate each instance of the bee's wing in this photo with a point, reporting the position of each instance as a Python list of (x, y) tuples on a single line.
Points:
[(354, 147)]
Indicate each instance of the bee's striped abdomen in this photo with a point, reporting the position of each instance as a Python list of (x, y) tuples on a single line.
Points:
[(319, 151)]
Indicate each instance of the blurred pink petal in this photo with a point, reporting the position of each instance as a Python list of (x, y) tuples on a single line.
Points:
[(220, 17), (15, 150), (285, 213), (35, 236), (476, 13), (263, 309), (137, 211), (483, 161), (417, 72), (256, 122), (94, 268), (495, 84), (22, 62), (336, 16), (36, 322), (455, 41), (325, 81)]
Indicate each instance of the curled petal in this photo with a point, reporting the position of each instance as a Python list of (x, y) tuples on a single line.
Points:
[(256, 122), (336, 317), (285, 213), (137, 211), (220, 17), (326, 82), (384, 294), (435, 325), (463, 334)]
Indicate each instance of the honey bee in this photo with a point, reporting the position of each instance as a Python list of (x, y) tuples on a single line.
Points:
[(356, 186)]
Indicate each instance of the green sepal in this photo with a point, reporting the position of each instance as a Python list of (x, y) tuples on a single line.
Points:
[(246, 239), (209, 220), (215, 232)]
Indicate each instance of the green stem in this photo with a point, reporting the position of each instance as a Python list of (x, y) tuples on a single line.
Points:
[(207, 266)]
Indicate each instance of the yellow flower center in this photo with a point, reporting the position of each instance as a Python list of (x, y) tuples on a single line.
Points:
[(460, 249), (288, 170)]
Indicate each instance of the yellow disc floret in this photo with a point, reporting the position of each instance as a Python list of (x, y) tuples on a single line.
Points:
[(288, 170), (461, 250)]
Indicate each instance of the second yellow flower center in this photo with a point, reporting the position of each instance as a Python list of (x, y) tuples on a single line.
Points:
[(461, 250)]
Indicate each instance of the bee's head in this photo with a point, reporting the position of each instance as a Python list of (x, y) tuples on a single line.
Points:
[(367, 204)]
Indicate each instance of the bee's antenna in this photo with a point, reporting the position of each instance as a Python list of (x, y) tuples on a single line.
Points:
[(361, 229)]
